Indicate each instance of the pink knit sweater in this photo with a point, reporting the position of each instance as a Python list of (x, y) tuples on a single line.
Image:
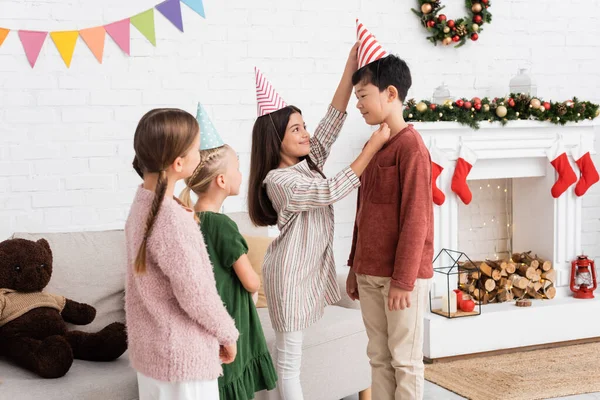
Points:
[(175, 317)]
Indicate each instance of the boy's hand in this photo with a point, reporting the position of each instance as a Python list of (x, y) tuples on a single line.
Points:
[(398, 299), (227, 353), (380, 137), (352, 285), (352, 63)]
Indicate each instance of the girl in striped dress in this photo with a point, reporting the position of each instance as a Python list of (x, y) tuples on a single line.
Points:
[(288, 188)]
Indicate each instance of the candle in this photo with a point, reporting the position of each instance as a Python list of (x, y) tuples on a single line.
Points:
[(452, 302)]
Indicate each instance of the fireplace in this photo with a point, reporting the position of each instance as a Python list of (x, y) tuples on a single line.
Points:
[(512, 211)]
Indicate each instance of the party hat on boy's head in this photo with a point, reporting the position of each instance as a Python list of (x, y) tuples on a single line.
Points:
[(369, 49), (209, 137), (267, 99)]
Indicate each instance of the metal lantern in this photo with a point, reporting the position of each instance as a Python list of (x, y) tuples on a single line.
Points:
[(453, 304), (522, 83), (583, 278)]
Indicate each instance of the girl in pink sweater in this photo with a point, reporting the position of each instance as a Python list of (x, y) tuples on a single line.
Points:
[(178, 329)]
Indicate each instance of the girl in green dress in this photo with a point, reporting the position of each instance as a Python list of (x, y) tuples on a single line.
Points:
[(217, 177)]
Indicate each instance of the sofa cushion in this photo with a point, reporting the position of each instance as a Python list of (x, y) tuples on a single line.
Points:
[(89, 267), (257, 247), (85, 380), (334, 355)]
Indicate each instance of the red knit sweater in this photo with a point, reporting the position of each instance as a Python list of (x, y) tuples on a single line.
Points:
[(393, 231)]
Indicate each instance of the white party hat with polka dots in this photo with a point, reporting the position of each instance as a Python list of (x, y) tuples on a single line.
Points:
[(209, 137)]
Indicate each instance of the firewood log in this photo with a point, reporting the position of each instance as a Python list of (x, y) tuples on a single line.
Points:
[(504, 295), (485, 269), (550, 275), (549, 292), (490, 285), (474, 275), (511, 268), (526, 271), (518, 281), (496, 274), (518, 293)]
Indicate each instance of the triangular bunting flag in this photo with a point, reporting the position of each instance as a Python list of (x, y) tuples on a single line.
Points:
[(94, 38), (65, 43), (3, 35), (267, 99), (32, 44), (144, 22), (171, 9), (209, 137), (369, 50), (195, 5), (120, 32)]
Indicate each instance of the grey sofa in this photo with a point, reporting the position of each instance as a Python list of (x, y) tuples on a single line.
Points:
[(89, 267)]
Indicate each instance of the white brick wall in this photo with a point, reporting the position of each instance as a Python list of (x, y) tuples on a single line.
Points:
[(66, 134), (482, 225)]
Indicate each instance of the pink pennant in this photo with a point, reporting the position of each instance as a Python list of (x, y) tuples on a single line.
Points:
[(120, 32), (32, 43)]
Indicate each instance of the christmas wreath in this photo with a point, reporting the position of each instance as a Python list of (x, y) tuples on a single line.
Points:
[(514, 107), (458, 30)]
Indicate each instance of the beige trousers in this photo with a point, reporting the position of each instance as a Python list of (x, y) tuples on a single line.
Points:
[(395, 346)]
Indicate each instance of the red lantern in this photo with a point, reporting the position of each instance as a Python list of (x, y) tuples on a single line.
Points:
[(583, 283)]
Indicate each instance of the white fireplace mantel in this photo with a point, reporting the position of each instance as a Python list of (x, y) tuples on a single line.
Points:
[(547, 226), (550, 227)]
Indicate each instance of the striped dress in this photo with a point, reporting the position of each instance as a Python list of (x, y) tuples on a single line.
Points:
[(299, 268)]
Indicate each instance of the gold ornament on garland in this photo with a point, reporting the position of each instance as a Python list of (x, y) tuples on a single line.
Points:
[(421, 107), (445, 30), (501, 111), (535, 103)]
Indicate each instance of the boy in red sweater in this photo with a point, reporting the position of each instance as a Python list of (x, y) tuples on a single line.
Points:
[(392, 245)]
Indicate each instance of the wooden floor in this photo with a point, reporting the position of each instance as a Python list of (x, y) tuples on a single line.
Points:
[(515, 350), (435, 392)]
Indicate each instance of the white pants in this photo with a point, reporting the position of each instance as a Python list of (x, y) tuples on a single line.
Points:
[(152, 389), (289, 361)]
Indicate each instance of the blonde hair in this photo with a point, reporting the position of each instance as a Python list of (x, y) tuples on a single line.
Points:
[(212, 163), (161, 136)]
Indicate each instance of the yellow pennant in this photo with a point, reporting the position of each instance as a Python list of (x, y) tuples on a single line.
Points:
[(65, 43)]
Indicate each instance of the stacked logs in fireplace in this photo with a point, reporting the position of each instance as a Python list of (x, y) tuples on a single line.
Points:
[(524, 276)]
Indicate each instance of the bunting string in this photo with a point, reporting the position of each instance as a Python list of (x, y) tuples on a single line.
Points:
[(94, 38)]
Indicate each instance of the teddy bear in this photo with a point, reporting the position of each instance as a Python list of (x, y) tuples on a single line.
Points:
[(33, 330)]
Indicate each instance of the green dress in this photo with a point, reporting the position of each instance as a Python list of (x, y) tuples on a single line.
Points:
[(252, 370)]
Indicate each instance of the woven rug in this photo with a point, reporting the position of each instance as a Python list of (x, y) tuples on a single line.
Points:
[(538, 374)]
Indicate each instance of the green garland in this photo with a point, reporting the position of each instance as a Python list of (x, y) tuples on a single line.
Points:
[(453, 31), (514, 107)]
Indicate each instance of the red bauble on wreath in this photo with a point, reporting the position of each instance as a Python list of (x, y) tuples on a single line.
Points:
[(458, 30)]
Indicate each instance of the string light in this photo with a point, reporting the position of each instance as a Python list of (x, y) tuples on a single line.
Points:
[(505, 250)]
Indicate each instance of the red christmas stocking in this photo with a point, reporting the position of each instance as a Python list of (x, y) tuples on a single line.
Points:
[(589, 174), (559, 160), (466, 160), (438, 163)]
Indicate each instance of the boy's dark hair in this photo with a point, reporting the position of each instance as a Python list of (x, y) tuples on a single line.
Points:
[(387, 71), (267, 136)]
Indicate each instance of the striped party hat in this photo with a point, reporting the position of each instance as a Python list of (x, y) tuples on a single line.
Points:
[(369, 50), (267, 99), (209, 137)]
